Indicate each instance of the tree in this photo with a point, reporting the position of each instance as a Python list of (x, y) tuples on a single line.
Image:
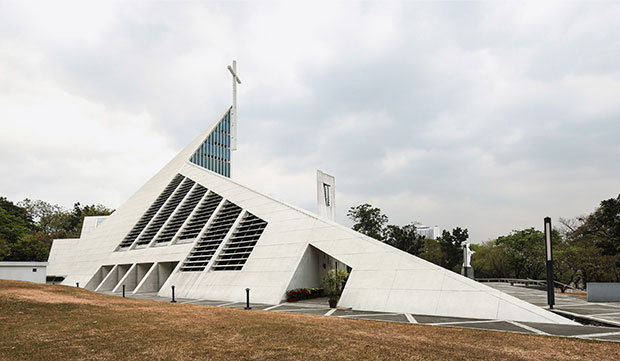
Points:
[(451, 246), (79, 212), (53, 219), (31, 247), (580, 258), (28, 228), (490, 260), (368, 220), (431, 251), (525, 250), (15, 223), (49, 218), (603, 226), (404, 238)]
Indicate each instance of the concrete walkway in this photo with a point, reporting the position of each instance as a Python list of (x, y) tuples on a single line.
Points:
[(318, 308)]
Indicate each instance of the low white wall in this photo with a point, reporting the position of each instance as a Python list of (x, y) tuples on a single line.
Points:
[(603, 292), (23, 271)]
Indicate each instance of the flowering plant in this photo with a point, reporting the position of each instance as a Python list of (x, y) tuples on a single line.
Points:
[(303, 294)]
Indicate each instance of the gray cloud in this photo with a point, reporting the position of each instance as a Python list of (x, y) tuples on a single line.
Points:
[(482, 115)]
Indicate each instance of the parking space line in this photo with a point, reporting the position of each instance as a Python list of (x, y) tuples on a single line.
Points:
[(606, 314), (462, 322), (369, 314), (195, 301), (330, 312), (410, 318), (295, 310), (529, 328), (272, 307), (227, 304), (599, 334)]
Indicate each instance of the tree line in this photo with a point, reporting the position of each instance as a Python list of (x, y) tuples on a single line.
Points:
[(28, 228), (585, 248), (446, 250)]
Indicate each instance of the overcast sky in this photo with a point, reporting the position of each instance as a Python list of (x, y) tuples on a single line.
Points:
[(488, 116)]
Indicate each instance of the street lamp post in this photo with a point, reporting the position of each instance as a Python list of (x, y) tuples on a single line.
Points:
[(549, 260)]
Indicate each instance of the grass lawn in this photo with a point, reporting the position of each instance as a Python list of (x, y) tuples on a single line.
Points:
[(47, 322)]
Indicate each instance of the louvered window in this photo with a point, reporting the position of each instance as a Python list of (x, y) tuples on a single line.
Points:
[(161, 217), (200, 217), (179, 217), (241, 244), (148, 215), (207, 245)]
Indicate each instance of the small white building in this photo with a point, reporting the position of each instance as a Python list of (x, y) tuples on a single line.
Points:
[(23, 271), (428, 232)]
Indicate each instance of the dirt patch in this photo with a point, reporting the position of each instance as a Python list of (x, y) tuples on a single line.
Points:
[(43, 296)]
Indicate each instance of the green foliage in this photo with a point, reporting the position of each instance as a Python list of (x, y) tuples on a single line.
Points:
[(334, 280), (78, 213), (31, 247), (585, 249), (446, 251), (28, 228), (590, 249), (525, 252), (368, 220), (404, 238), (490, 260), (431, 251), (603, 227), (451, 245)]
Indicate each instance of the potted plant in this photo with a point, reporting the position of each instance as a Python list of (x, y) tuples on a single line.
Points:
[(333, 283)]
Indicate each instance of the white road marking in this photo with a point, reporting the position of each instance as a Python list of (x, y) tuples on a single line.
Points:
[(299, 310), (272, 307), (330, 312), (599, 334), (410, 318), (461, 322), (369, 314), (227, 304), (529, 328)]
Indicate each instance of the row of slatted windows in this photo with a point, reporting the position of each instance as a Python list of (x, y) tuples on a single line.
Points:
[(148, 215), (210, 241), (200, 217), (179, 217), (240, 245), (166, 211)]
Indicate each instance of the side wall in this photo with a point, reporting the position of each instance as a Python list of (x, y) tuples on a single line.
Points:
[(30, 273)]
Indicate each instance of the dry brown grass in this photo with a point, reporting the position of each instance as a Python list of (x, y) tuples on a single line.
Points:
[(45, 322)]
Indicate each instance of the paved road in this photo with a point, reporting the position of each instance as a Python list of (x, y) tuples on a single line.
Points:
[(322, 309), (600, 312)]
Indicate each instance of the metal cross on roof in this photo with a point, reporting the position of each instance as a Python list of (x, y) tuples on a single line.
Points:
[(233, 113)]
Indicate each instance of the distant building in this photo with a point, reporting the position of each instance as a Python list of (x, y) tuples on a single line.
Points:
[(23, 271), (428, 232)]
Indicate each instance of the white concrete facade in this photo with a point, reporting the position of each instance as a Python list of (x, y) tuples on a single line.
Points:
[(294, 250), (23, 271)]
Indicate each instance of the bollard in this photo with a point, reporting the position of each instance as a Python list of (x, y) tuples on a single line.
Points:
[(173, 300), (123, 291), (247, 299), (77, 284)]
